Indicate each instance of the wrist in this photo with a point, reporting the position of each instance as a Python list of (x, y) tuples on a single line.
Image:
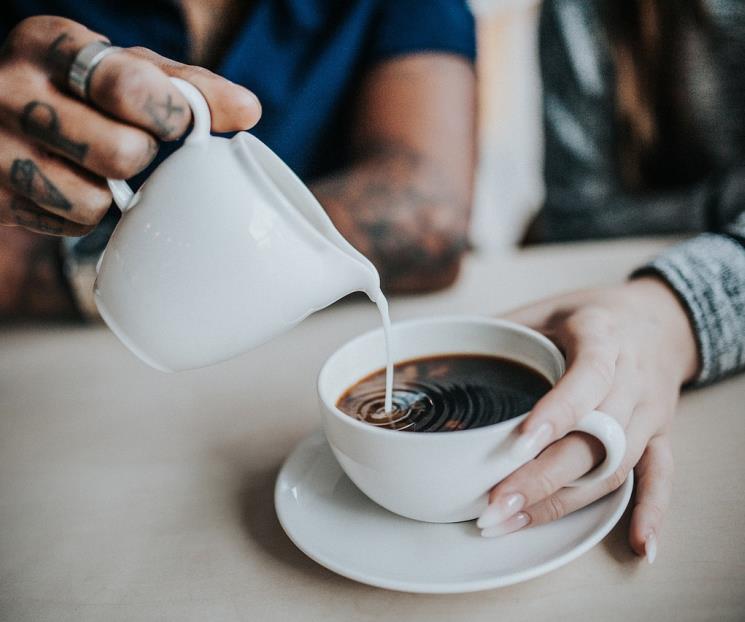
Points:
[(662, 306)]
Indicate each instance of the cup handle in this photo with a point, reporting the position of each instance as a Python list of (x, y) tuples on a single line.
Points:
[(200, 132), (608, 431)]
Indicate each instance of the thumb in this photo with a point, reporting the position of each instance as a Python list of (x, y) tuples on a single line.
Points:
[(232, 106)]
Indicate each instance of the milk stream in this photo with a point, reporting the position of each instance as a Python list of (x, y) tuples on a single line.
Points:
[(380, 300)]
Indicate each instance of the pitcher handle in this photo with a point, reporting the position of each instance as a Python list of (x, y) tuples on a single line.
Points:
[(199, 134)]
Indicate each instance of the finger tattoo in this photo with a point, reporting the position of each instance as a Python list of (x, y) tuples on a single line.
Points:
[(30, 218), (41, 121), (162, 113), (26, 177)]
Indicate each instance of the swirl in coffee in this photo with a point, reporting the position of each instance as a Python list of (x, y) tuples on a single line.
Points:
[(446, 393)]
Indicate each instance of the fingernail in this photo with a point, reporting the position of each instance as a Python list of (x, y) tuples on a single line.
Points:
[(650, 548), (501, 509), (514, 523), (528, 444)]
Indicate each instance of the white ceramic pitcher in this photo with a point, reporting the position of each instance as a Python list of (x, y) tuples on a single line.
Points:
[(220, 250)]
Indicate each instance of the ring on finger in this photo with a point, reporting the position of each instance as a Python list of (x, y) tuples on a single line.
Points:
[(86, 60)]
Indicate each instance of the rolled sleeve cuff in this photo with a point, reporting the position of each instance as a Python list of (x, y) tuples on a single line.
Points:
[(708, 274)]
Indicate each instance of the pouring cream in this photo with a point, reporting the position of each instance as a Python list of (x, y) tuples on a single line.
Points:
[(222, 249)]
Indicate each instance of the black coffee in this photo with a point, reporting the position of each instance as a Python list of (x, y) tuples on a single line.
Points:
[(446, 393)]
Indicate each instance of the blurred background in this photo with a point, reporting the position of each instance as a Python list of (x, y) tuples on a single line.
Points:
[(509, 186)]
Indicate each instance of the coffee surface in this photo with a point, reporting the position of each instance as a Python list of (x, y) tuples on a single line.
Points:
[(446, 393)]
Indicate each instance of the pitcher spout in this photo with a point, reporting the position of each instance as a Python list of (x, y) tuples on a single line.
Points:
[(352, 271), (347, 274)]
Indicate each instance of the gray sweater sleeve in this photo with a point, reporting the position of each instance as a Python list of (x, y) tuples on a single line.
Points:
[(708, 274)]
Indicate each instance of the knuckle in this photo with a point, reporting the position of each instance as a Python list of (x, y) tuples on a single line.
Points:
[(555, 508), (565, 413), (124, 86), (32, 31), (21, 34), (139, 50), (645, 406), (631, 460), (604, 368), (89, 216), (597, 319), (126, 153), (545, 484), (94, 205), (152, 56), (128, 85), (599, 327), (196, 71)]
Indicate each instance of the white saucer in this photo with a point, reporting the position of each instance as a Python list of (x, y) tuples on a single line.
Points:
[(335, 524)]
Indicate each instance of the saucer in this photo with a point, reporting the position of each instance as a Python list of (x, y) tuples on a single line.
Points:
[(335, 524)]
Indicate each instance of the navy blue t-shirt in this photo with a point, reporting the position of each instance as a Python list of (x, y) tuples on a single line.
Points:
[(304, 59)]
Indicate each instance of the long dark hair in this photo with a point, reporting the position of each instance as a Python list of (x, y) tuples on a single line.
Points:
[(657, 144)]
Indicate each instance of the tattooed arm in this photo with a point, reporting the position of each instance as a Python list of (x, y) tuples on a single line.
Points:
[(404, 202)]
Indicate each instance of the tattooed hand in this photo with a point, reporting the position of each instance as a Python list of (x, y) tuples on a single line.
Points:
[(55, 150)]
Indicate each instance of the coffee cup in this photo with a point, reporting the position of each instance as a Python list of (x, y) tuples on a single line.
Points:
[(443, 477)]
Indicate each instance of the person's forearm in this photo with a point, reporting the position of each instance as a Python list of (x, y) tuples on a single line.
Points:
[(404, 214)]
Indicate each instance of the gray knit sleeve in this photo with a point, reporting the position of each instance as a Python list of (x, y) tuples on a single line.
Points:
[(708, 274)]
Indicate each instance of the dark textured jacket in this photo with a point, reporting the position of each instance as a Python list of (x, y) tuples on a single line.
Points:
[(585, 197)]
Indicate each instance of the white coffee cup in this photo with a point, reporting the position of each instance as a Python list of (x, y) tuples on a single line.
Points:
[(442, 477)]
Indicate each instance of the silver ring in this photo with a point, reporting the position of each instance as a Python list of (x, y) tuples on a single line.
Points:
[(85, 62)]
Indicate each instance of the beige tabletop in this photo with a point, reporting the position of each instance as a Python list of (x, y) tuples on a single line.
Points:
[(127, 494)]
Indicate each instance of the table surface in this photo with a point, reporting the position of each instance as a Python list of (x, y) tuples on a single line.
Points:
[(127, 494)]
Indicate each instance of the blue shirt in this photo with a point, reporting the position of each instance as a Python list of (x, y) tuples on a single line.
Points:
[(304, 59)]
